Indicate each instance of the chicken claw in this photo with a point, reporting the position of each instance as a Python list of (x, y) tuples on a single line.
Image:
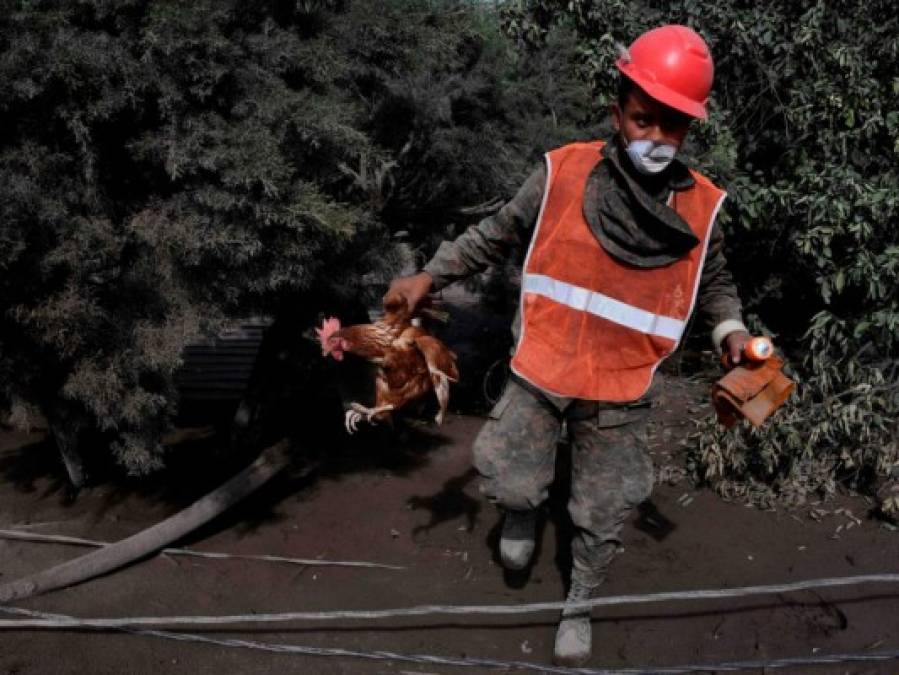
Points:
[(350, 420), (359, 412)]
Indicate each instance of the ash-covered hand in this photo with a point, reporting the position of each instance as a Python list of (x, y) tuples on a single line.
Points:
[(734, 343), (413, 288)]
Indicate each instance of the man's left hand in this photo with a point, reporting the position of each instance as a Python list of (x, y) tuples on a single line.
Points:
[(734, 343)]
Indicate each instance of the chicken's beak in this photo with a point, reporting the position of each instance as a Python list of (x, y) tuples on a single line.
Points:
[(333, 347)]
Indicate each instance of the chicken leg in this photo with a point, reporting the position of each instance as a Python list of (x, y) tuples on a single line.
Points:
[(441, 389), (359, 412)]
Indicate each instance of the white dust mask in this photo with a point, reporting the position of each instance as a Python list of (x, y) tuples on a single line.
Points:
[(649, 157)]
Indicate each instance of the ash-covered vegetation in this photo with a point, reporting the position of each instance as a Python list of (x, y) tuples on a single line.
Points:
[(170, 166)]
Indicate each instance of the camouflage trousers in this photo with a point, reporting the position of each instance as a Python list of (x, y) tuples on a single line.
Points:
[(611, 471)]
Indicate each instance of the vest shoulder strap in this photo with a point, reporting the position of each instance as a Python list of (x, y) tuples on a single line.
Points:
[(573, 148), (702, 181)]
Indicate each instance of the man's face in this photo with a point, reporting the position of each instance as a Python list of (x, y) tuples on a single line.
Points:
[(644, 119)]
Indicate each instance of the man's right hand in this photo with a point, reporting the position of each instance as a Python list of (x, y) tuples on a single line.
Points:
[(414, 288)]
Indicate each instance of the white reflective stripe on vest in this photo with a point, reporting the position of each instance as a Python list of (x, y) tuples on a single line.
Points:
[(603, 306)]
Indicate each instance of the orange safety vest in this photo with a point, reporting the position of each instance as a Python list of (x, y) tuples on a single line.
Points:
[(593, 327)]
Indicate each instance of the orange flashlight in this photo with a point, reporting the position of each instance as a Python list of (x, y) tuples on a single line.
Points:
[(758, 349)]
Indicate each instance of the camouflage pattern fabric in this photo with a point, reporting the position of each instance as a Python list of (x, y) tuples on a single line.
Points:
[(611, 471)]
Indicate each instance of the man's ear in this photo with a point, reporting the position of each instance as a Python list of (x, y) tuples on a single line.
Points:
[(615, 109)]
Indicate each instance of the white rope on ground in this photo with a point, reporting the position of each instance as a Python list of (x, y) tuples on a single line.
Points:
[(469, 662), (62, 539), (425, 610)]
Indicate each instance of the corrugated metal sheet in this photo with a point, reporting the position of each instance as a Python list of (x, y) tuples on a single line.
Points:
[(219, 369)]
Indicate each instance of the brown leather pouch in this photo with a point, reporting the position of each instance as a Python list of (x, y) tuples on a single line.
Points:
[(751, 391)]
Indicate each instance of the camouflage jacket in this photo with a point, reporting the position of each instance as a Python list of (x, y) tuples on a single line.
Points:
[(493, 240)]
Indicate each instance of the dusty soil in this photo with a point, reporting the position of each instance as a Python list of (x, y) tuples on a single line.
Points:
[(414, 502)]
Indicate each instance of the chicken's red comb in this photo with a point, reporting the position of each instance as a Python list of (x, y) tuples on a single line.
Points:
[(329, 326)]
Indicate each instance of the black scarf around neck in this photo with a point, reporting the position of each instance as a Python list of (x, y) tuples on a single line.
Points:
[(628, 221)]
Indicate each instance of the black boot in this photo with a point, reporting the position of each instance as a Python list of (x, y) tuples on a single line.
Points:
[(516, 543)]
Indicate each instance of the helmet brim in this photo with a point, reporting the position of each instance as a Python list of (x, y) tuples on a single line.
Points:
[(661, 93)]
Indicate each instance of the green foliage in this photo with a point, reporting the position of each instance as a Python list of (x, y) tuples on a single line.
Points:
[(804, 133), (168, 166), (152, 186)]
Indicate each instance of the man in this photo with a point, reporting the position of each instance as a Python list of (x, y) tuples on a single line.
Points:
[(623, 245)]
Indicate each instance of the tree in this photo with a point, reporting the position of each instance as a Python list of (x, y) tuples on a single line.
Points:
[(156, 181), (168, 167)]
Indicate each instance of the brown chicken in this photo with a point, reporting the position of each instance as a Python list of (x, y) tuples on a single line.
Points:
[(410, 362)]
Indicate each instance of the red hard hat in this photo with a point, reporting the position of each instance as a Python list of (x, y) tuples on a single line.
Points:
[(673, 65)]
